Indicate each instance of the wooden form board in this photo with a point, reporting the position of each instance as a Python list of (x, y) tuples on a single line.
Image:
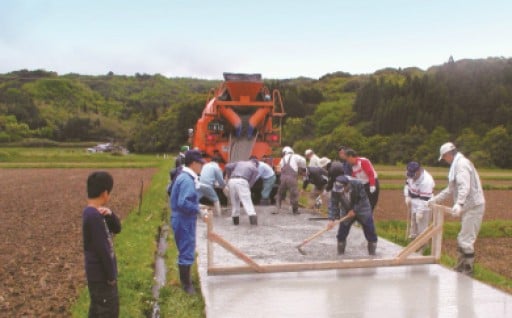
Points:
[(405, 257)]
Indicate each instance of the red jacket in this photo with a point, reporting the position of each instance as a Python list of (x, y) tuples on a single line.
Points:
[(363, 170)]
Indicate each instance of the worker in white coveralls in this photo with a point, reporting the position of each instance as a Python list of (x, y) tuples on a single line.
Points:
[(419, 188), (242, 175), (468, 203)]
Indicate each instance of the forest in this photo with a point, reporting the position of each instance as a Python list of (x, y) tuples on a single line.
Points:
[(391, 116)]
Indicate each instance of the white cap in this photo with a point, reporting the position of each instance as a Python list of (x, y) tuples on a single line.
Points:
[(445, 148), (308, 152), (287, 150)]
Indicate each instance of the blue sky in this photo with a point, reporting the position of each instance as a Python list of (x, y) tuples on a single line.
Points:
[(280, 39)]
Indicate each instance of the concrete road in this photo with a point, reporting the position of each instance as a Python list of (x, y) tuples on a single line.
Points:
[(403, 291)]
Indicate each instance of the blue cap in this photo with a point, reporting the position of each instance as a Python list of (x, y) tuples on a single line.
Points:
[(193, 155), (412, 168)]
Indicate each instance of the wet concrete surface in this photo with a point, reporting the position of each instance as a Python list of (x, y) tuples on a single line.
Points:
[(403, 291)]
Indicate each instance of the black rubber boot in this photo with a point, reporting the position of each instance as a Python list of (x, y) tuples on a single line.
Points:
[(295, 209), (236, 220), (469, 262), (186, 280), (459, 267), (253, 219), (372, 247), (341, 247)]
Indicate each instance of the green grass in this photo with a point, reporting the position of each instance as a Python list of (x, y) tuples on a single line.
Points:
[(58, 157)]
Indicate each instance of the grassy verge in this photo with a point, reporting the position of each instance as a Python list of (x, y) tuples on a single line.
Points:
[(394, 231)]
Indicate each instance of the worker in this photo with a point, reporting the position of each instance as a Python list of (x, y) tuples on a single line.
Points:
[(418, 189), (347, 168), (184, 203), (349, 197), (316, 176), (289, 167), (180, 159), (362, 169), (268, 178), (335, 169), (314, 160), (211, 178), (469, 203), (241, 177)]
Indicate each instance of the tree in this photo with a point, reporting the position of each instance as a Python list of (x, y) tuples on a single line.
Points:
[(497, 143)]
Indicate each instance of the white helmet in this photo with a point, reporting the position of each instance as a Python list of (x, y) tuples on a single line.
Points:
[(287, 150), (308, 152), (445, 148)]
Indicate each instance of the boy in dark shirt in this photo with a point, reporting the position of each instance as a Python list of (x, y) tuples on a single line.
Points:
[(99, 224)]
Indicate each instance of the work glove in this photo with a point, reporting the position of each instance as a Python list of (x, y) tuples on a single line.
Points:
[(431, 202), (419, 216), (408, 201), (372, 189), (456, 210), (225, 190), (203, 212)]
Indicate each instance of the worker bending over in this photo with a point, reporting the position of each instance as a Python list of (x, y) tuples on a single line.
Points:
[(349, 197), (241, 177)]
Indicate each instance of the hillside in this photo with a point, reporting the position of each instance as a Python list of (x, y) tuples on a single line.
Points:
[(392, 115)]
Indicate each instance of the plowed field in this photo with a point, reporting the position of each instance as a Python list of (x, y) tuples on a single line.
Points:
[(41, 260)]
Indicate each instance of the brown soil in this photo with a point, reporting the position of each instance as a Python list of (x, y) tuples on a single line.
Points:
[(41, 260)]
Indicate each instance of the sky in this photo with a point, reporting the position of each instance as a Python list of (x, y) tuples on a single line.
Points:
[(279, 39)]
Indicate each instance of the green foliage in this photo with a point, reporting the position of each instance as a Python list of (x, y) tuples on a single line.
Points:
[(497, 142), (329, 115), (399, 114)]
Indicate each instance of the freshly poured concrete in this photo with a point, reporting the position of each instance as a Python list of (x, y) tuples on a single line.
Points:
[(402, 291)]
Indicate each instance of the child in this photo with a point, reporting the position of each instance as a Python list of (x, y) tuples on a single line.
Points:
[(98, 226)]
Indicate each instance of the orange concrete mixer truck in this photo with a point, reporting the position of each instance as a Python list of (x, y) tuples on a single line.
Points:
[(242, 118)]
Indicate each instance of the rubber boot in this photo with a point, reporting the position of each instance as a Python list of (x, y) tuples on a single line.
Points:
[(469, 262), (218, 210), (186, 280), (295, 208), (460, 261), (372, 247), (253, 219), (278, 207), (236, 220), (341, 247)]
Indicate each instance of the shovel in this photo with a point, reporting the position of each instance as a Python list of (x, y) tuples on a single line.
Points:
[(317, 234)]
